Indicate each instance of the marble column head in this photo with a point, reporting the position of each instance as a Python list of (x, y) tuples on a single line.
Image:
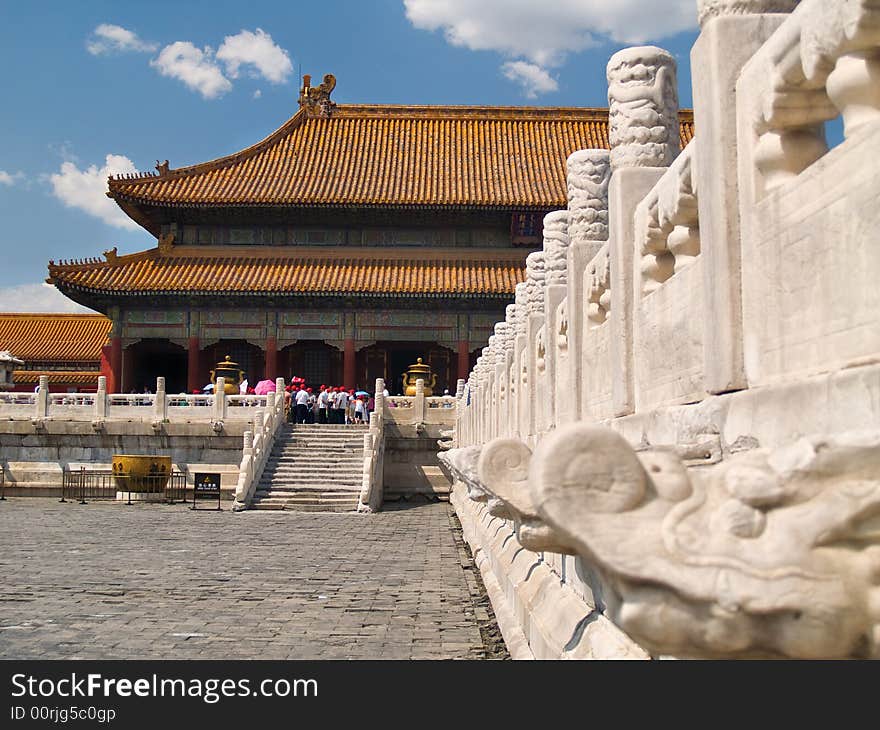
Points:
[(556, 242), (588, 174), (708, 9), (536, 280), (521, 299), (643, 108)]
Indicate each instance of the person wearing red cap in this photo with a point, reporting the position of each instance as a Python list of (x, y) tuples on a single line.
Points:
[(302, 405), (323, 405), (310, 416), (340, 404)]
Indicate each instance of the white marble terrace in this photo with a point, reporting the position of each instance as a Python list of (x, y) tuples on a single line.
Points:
[(671, 445)]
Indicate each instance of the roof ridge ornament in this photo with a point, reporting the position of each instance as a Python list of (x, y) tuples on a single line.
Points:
[(166, 242), (316, 99), (162, 167)]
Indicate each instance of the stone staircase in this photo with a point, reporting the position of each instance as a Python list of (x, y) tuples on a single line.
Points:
[(313, 468)]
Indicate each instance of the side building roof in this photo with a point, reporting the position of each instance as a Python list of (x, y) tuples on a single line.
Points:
[(54, 338)]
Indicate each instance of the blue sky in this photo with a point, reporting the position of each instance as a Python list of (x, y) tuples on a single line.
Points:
[(190, 81)]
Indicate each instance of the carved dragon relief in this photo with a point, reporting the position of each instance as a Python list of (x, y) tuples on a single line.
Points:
[(462, 466), (769, 553)]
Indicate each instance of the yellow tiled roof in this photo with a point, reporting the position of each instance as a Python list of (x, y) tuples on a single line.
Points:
[(57, 377), (54, 337), (327, 271), (502, 157)]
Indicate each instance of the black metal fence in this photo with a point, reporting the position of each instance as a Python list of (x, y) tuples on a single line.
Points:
[(84, 485)]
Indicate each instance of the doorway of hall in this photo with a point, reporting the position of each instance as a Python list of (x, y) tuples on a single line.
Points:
[(390, 361)]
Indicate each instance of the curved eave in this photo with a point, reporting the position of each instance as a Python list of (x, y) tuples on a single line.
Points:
[(67, 288)]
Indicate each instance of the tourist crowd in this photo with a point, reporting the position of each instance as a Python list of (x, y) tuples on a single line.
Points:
[(329, 405)]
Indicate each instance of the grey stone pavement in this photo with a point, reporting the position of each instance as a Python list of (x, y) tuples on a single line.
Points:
[(108, 581)]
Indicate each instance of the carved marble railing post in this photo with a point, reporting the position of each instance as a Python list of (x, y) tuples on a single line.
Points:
[(379, 398), (589, 172), (101, 399), (419, 402), (220, 400), (499, 376), (645, 139), (41, 410), (279, 390), (459, 387), (536, 281), (160, 403), (731, 32), (508, 346), (556, 243), (519, 385)]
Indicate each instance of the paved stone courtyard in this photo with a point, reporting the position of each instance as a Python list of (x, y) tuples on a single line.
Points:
[(106, 581)]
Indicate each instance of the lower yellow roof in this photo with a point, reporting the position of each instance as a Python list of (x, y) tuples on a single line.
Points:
[(312, 271)]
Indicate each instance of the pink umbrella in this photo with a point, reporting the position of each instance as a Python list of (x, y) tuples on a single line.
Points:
[(264, 386)]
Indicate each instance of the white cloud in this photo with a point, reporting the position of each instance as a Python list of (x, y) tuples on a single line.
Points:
[(107, 38), (36, 298), (534, 79), (258, 50), (257, 94), (194, 67), (8, 178), (85, 189), (544, 32)]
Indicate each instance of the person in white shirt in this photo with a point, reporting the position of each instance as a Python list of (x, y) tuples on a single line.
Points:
[(323, 405), (302, 405), (341, 404), (359, 410)]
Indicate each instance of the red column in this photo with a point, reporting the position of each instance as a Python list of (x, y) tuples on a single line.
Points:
[(348, 376), (271, 358), (127, 381), (194, 376), (115, 384), (464, 359)]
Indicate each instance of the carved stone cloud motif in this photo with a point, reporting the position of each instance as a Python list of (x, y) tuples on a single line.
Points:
[(556, 246), (643, 108), (536, 279), (588, 174), (768, 553)]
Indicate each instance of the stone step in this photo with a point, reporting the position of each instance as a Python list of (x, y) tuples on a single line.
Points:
[(305, 507), (313, 428), (306, 449), (316, 497), (294, 487), (308, 489), (300, 467), (314, 465), (296, 445)]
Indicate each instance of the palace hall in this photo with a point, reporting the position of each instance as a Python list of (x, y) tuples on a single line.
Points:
[(346, 244)]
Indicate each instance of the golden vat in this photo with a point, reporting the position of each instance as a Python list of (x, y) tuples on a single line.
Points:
[(232, 374), (141, 473), (419, 371)]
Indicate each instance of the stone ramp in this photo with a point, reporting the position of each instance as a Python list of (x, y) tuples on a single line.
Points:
[(313, 468)]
